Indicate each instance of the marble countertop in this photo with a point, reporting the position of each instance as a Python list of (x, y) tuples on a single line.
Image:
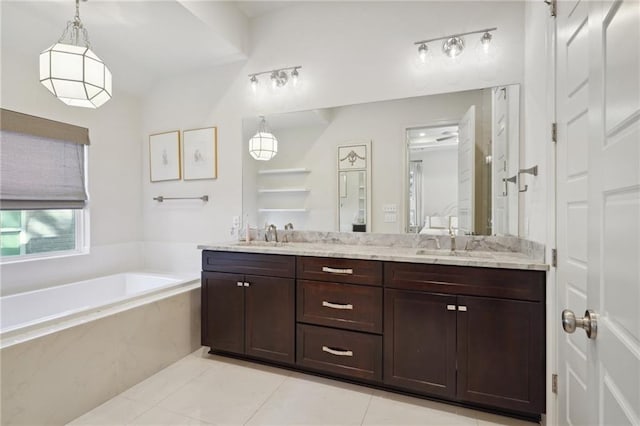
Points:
[(477, 258)]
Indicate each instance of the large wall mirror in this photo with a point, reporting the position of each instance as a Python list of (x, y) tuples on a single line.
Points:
[(437, 162)]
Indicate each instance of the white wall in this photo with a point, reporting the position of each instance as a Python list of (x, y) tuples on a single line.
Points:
[(537, 204), (536, 124), (114, 179), (439, 180)]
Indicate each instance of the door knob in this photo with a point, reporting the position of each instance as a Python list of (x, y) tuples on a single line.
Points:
[(589, 322)]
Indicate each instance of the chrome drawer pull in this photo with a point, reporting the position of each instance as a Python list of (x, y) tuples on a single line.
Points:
[(335, 352), (451, 307), (239, 283), (336, 305), (462, 308), (337, 271)]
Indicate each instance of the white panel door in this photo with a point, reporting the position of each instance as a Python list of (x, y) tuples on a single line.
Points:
[(598, 209), (466, 171)]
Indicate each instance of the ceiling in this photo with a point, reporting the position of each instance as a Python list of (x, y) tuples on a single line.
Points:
[(432, 137), (142, 42)]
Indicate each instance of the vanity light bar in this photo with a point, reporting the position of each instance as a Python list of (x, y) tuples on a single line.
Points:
[(279, 76), (453, 44)]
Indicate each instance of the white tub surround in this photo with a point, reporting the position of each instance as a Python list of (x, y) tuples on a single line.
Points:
[(57, 369), (487, 252)]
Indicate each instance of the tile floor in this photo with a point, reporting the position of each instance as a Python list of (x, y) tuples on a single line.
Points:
[(202, 389)]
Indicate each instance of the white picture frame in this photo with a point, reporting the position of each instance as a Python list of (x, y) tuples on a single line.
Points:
[(164, 156), (200, 153)]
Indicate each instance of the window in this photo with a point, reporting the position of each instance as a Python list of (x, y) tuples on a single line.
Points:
[(42, 187)]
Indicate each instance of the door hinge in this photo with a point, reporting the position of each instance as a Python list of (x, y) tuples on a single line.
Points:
[(554, 258), (553, 6), (554, 383), (554, 132)]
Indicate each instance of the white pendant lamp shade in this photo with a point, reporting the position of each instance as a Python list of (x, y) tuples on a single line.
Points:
[(75, 75), (263, 146)]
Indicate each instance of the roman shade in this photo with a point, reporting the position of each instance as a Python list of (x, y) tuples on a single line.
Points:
[(41, 163)]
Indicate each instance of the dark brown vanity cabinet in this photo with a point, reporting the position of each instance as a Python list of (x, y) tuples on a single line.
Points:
[(339, 314), (249, 314), (471, 335), (480, 339)]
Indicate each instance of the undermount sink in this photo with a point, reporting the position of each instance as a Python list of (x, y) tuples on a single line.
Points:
[(451, 253), (262, 243)]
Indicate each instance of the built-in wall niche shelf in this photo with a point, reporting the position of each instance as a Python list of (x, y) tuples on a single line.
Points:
[(283, 171), (282, 210), (282, 190)]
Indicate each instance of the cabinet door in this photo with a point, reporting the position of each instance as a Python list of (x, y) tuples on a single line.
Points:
[(270, 318), (420, 342), (223, 311), (501, 359)]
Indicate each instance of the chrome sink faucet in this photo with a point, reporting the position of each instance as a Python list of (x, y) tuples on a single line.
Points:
[(452, 235), (271, 234)]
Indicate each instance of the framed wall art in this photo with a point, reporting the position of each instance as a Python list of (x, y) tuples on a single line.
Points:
[(200, 153), (164, 156)]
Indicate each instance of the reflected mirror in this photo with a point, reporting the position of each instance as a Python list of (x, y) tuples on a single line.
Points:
[(354, 187), (436, 163)]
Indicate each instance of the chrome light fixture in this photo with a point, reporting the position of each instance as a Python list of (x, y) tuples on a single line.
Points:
[(422, 52), (485, 40), (263, 146), (454, 44), (279, 77), (72, 72)]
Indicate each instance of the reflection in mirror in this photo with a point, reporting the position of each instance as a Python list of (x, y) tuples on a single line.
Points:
[(457, 171), (354, 187), (456, 188)]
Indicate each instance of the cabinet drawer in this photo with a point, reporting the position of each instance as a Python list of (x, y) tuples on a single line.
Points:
[(355, 307), (352, 271), (489, 282), (272, 265), (347, 353)]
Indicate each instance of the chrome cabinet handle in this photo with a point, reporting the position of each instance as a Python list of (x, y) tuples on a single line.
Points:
[(337, 305), (337, 271), (589, 322), (451, 307), (336, 352), (239, 283), (247, 284), (462, 308)]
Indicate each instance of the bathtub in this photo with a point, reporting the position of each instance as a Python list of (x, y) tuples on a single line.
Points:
[(25, 311), (67, 349)]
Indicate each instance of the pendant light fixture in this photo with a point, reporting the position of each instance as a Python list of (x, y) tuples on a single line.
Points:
[(72, 72), (263, 146)]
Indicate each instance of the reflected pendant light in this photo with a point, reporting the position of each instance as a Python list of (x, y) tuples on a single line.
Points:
[(72, 72), (263, 145)]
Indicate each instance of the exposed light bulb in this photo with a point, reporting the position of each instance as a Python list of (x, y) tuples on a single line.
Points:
[(422, 52), (486, 41), (422, 135), (254, 83), (453, 46)]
